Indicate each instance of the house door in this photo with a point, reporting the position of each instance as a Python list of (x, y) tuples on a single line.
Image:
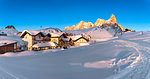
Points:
[(2, 52)]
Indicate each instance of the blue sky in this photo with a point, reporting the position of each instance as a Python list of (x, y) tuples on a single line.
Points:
[(31, 14)]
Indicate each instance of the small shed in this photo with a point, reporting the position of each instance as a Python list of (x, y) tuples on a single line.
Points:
[(7, 46), (3, 34)]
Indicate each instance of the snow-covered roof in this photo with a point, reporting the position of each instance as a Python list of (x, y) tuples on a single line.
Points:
[(35, 32), (75, 37), (13, 38), (32, 32), (5, 42), (56, 34), (48, 44)]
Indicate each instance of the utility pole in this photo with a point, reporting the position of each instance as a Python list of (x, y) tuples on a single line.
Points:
[(40, 28), (142, 33)]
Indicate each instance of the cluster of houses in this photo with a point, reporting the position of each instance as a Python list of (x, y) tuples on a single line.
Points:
[(40, 40)]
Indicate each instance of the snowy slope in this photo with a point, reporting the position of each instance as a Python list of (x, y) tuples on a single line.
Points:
[(112, 28), (51, 30), (95, 33), (76, 63), (126, 57), (140, 42), (9, 31)]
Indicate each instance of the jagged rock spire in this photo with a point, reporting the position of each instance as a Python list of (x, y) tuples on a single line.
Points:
[(112, 19), (99, 22)]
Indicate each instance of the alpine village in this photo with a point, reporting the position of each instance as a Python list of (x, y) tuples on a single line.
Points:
[(81, 34)]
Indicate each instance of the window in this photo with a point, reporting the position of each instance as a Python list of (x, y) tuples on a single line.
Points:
[(35, 43), (2, 52), (39, 37), (9, 51)]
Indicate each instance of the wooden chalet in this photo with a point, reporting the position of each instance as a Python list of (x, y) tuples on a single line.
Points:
[(7, 46)]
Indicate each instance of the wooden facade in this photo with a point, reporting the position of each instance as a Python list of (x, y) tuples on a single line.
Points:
[(8, 48), (19, 34), (43, 48)]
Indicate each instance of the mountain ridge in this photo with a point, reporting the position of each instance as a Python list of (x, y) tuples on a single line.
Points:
[(99, 22)]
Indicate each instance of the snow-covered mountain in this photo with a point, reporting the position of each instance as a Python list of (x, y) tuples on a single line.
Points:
[(111, 27), (107, 30), (99, 23), (51, 30), (9, 30), (94, 33)]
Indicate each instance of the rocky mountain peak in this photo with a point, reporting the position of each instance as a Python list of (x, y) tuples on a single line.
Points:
[(112, 19), (9, 27), (99, 22)]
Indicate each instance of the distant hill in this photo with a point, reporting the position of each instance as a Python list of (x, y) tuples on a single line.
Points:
[(9, 30), (10, 27), (51, 30)]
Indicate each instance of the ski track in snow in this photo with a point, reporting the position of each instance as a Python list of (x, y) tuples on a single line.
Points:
[(6, 75), (141, 68)]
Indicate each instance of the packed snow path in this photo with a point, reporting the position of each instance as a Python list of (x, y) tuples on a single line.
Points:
[(141, 69)]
